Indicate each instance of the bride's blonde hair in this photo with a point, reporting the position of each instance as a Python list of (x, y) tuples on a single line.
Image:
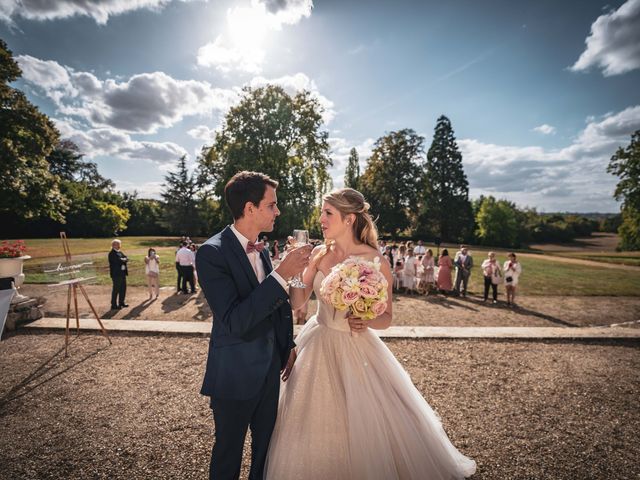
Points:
[(349, 201)]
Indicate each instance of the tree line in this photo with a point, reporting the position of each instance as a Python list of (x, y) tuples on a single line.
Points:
[(46, 184)]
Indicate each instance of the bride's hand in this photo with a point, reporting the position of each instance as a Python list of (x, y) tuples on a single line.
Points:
[(286, 373), (357, 324)]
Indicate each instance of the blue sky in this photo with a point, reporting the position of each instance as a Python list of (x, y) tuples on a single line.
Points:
[(540, 93)]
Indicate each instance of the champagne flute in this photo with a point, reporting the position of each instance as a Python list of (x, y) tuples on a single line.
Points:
[(300, 238)]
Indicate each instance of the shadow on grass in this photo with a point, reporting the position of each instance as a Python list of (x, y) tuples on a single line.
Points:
[(35, 378)]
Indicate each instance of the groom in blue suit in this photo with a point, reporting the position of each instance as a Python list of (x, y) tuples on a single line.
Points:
[(252, 336)]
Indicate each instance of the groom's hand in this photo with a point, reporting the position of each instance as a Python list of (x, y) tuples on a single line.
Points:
[(296, 260)]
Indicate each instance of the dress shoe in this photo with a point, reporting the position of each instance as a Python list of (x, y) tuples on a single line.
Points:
[(124, 305)]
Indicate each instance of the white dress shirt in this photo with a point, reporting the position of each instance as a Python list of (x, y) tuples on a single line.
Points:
[(255, 261), (185, 257)]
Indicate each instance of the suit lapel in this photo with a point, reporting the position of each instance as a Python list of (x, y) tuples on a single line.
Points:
[(243, 260)]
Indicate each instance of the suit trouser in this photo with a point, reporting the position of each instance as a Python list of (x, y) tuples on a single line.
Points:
[(179, 269), (488, 283), (187, 276), (233, 417), (118, 290), (462, 276)]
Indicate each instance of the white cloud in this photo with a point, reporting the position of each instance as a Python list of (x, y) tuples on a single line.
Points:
[(228, 57), (296, 83), (99, 10), (145, 190), (573, 178), (287, 11), (545, 129), (614, 42), (202, 132), (100, 142), (143, 103), (242, 45)]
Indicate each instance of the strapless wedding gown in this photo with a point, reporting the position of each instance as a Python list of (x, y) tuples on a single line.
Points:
[(350, 411)]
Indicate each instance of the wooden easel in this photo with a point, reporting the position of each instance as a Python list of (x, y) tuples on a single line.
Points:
[(73, 286)]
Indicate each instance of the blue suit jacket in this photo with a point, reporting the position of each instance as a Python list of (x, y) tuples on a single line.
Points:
[(250, 319)]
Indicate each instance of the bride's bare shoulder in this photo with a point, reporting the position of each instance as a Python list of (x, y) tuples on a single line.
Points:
[(370, 253)]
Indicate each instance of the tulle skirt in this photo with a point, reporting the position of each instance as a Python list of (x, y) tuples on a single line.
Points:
[(350, 411)]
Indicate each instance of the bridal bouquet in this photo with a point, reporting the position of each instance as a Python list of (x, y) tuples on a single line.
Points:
[(356, 285)]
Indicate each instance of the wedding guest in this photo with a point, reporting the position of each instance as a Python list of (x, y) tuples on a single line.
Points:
[(429, 264), (194, 248), (275, 253), (118, 272), (178, 269), (186, 260), (492, 276), (382, 246), (152, 272), (388, 255), (265, 239), (512, 271), (402, 254), (463, 262), (420, 249), (445, 264), (397, 275), (409, 272)]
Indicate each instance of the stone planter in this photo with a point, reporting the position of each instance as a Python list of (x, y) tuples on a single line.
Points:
[(12, 267)]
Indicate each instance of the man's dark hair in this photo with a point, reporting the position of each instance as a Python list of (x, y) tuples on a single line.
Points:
[(246, 187)]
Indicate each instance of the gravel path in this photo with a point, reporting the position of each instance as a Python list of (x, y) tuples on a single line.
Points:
[(533, 311), (526, 410)]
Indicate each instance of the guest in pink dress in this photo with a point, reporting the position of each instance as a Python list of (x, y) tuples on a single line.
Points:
[(445, 265)]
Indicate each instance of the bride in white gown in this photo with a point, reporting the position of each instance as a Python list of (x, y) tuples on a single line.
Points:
[(348, 410)]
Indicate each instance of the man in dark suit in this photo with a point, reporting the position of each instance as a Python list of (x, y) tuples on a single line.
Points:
[(252, 336), (464, 263), (118, 271)]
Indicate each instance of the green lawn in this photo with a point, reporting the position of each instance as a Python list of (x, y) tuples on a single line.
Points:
[(540, 276), (622, 258), (52, 247)]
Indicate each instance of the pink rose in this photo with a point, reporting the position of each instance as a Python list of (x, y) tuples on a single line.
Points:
[(379, 308), (350, 297), (368, 291)]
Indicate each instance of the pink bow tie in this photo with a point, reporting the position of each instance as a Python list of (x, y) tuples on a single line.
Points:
[(258, 247)]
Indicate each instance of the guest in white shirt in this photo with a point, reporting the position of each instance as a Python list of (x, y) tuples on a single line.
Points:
[(186, 261), (420, 249)]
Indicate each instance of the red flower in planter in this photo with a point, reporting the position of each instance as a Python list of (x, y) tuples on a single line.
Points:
[(13, 250)]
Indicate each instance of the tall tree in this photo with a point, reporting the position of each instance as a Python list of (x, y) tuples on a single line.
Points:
[(352, 172), (277, 134), (180, 191), (625, 163), (27, 188), (497, 222), (445, 211), (390, 181)]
